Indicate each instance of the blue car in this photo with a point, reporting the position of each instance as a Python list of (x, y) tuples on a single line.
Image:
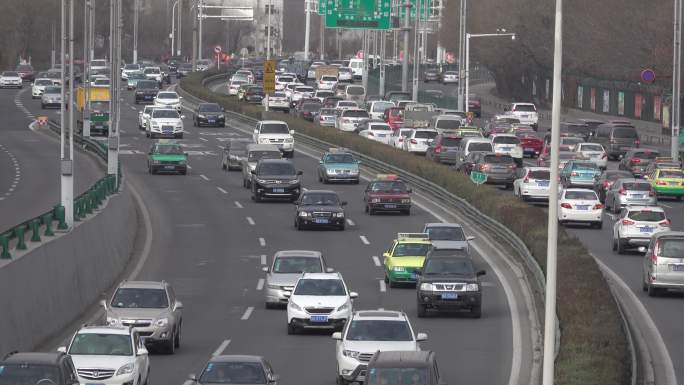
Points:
[(579, 173), (338, 165)]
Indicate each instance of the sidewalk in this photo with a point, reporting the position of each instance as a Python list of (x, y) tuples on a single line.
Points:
[(650, 132)]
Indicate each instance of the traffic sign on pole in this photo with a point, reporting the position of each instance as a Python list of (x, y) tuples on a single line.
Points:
[(269, 77), (478, 177), (217, 49), (358, 14)]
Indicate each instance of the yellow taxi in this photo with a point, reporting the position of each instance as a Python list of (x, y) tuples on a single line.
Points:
[(406, 254), (667, 182)]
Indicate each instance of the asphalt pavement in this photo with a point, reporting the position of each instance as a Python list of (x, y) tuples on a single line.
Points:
[(29, 161)]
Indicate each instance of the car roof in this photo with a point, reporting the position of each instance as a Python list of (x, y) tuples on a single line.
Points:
[(261, 147), (401, 359), (392, 315), (298, 253), (579, 189), (442, 224), (334, 275), (34, 358), (237, 358), (105, 330), (319, 192), (632, 180), (272, 122), (669, 234), (143, 284)]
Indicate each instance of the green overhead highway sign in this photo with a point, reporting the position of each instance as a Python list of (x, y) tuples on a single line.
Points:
[(478, 177), (358, 14)]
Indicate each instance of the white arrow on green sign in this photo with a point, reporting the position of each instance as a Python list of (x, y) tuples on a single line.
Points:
[(478, 177)]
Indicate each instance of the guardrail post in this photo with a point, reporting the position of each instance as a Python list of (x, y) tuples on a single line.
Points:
[(90, 201), (47, 221), (20, 232), (59, 215), (4, 242), (78, 212), (35, 230), (99, 192)]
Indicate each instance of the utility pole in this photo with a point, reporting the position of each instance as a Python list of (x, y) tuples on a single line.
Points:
[(416, 54), (92, 29), (86, 66), (194, 36), (365, 45), (113, 137), (322, 38), (676, 79), (461, 55), (268, 43), (383, 46), (136, 10), (201, 15), (339, 44), (404, 62), (173, 27), (66, 158), (179, 27), (52, 52), (307, 30)]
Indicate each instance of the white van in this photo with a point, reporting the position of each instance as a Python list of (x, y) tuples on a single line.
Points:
[(356, 66)]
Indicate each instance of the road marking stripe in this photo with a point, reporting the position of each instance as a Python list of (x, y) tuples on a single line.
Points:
[(250, 221), (221, 348), (205, 140), (204, 177), (222, 190), (248, 313), (238, 204), (383, 287), (376, 260), (664, 205), (262, 242), (350, 222), (263, 259), (260, 284), (189, 167), (364, 239)]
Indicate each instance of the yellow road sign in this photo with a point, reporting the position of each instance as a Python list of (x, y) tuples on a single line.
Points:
[(269, 77)]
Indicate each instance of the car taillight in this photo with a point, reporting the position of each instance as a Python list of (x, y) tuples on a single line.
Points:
[(606, 184), (438, 149), (627, 222), (666, 222), (574, 173), (413, 141), (636, 160), (526, 180), (598, 206), (566, 205), (484, 167), (637, 142), (661, 183), (622, 191)]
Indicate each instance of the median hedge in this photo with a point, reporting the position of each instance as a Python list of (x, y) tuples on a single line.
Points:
[(594, 348)]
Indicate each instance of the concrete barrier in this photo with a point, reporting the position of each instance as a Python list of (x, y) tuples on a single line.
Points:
[(48, 288)]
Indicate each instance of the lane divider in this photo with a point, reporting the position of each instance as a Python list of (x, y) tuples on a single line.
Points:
[(260, 284), (364, 240), (222, 190), (376, 261), (221, 348), (262, 242), (350, 222), (247, 313), (204, 177), (238, 205), (383, 286), (263, 259), (250, 221)]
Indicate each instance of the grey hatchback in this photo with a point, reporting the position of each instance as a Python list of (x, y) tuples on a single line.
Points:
[(237, 369), (663, 267), (624, 192)]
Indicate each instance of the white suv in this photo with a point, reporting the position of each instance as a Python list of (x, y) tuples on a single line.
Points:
[(508, 144), (526, 113), (636, 225), (165, 122), (109, 355), (153, 73), (319, 301), (275, 132), (367, 332)]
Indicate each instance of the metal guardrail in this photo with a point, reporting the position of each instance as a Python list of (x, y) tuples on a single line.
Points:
[(84, 204)]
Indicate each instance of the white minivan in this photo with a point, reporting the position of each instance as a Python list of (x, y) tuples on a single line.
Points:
[(356, 66)]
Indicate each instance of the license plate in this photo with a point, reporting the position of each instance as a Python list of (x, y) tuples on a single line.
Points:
[(169, 167), (278, 190), (147, 97), (506, 148), (390, 206), (449, 296), (319, 318), (637, 196), (543, 184), (321, 220), (529, 149), (211, 121), (413, 275), (674, 183), (381, 135), (677, 267), (646, 229), (582, 207)]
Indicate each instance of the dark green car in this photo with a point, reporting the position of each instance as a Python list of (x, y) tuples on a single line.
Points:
[(167, 157)]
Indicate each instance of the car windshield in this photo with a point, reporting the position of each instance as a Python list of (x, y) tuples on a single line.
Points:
[(29, 374), (425, 134), (379, 127), (411, 249), (671, 248), (379, 330), (448, 124), (446, 233), (167, 95), (637, 186), (311, 107), (615, 175), (382, 106), (591, 147), (152, 70), (233, 373), (328, 78), (677, 174), (101, 82), (355, 90), (498, 159), (320, 287), (539, 174), (646, 215), (524, 108), (140, 298), (304, 89), (274, 128), (389, 187), (339, 158), (277, 169), (99, 106), (43, 82), (284, 79), (355, 114), (169, 150), (506, 140), (581, 195), (297, 265), (479, 146), (397, 376), (166, 114), (209, 108), (324, 94), (346, 104), (327, 111), (256, 155), (566, 155), (585, 166), (132, 67), (324, 199), (136, 76), (10, 73), (462, 266), (625, 133), (148, 85), (101, 344)]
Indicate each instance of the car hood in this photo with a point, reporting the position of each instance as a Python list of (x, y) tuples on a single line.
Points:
[(456, 278), (100, 362), (137, 313), (319, 301), (408, 261), (441, 244), (343, 166), (387, 195), (167, 101), (10, 78), (373, 346), (281, 279), (277, 177), (309, 208), (166, 121)]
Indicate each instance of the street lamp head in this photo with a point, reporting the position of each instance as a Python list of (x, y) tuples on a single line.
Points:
[(513, 37)]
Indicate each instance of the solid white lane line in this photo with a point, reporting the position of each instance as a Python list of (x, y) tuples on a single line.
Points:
[(376, 260), (222, 190), (260, 284), (364, 239), (238, 204), (383, 287), (263, 259), (221, 348), (250, 221), (189, 167), (204, 177), (248, 313), (262, 242), (664, 205), (350, 222), (202, 139)]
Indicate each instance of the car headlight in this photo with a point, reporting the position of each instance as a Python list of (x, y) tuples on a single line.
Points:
[(112, 321), (155, 125), (405, 201), (339, 215), (275, 287), (126, 369), (427, 287), (182, 162), (398, 268), (344, 306), (260, 180), (221, 116), (289, 140), (354, 171), (330, 172), (375, 200), (161, 322), (303, 214), (472, 287), (154, 161), (201, 116), (350, 354), (293, 181), (264, 140), (294, 306)]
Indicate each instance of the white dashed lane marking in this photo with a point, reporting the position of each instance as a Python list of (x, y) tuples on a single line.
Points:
[(204, 177), (221, 348), (383, 287), (376, 260), (250, 221), (238, 204), (260, 284), (262, 242), (248, 312), (222, 190), (364, 240)]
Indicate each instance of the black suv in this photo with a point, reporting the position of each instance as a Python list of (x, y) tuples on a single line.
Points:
[(208, 114), (403, 367), (319, 208), (146, 91), (448, 281), (38, 369), (275, 178)]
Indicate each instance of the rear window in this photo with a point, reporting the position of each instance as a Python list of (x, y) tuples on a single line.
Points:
[(646, 155), (382, 106), (327, 111), (479, 146), (540, 174), (451, 142), (355, 114), (425, 135), (355, 90), (397, 112), (625, 133), (646, 215), (671, 174), (591, 147), (498, 159), (637, 186), (584, 166), (380, 127), (328, 78), (524, 108), (581, 195), (506, 140), (448, 124), (671, 248)]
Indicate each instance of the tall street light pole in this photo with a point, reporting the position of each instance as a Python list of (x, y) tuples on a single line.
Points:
[(87, 9), (66, 158), (461, 54), (199, 38), (173, 27), (179, 27), (114, 50), (195, 16), (676, 79), (467, 60), (416, 54), (136, 16), (404, 62), (307, 29)]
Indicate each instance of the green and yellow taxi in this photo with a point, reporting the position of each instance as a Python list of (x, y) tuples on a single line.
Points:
[(167, 156), (406, 254), (467, 131), (667, 182), (338, 165)]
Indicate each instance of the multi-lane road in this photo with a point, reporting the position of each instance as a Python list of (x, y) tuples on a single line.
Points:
[(209, 240)]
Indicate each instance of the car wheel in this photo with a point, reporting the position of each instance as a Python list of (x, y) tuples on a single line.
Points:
[(644, 285), (620, 246), (598, 225), (476, 312), (421, 310), (180, 136), (614, 243), (257, 197), (653, 291), (291, 329), (341, 227), (341, 381), (370, 211), (356, 181), (406, 212), (170, 346), (679, 198), (177, 340)]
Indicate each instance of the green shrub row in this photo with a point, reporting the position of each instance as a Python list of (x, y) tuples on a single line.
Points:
[(594, 349)]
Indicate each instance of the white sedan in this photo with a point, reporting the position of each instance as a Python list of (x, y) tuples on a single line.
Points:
[(234, 86), (416, 141), (38, 87), (578, 205), (593, 152), (533, 184), (377, 131), (168, 99), (398, 137)]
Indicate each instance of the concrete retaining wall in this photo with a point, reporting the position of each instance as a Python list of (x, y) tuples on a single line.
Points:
[(44, 291)]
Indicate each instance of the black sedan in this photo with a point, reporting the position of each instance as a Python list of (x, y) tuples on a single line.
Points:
[(319, 208), (208, 114)]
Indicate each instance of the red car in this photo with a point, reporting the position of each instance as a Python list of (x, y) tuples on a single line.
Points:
[(26, 72), (532, 144), (387, 193), (394, 116)]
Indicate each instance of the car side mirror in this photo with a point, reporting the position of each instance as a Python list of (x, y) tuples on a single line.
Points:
[(140, 112), (62, 349), (329, 270), (353, 295), (287, 294), (178, 305), (642, 249), (265, 269), (143, 352), (481, 273), (291, 132), (337, 336), (192, 378), (385, 254), (343, 203), (470, 238), (300, 172), (421, 337), (182, 116), (256, 132), (103, 303), (320, 162)]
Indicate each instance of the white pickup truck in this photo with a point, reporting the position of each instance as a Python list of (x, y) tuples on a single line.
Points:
[(277, 133)]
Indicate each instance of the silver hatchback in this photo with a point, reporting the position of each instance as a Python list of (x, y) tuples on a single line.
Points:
[(626, 192), (663, 267), (635, 226), (287, 267)]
